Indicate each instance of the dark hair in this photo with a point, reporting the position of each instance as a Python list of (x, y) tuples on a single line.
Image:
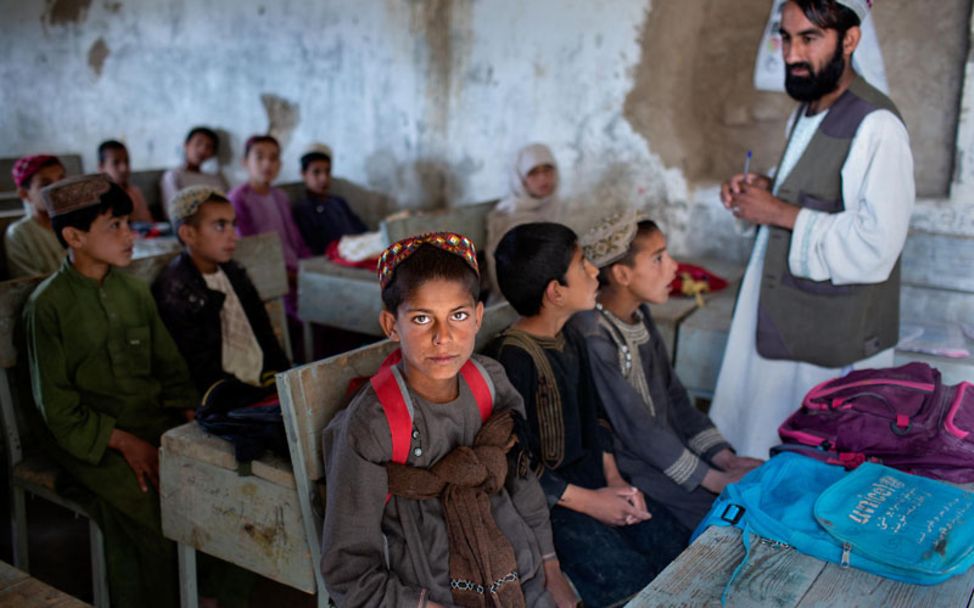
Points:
[(829, 15), (109, 145), (253, 140), (208, 132), (428, 263), (644, 228), (115, 200), (311, 157), (529, 258)]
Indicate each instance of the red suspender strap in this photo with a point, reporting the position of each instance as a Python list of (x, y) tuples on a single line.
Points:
[(393, 401), (394, 405), (476, 378)]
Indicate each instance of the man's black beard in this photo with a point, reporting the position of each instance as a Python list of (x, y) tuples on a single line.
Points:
[(817, 84)]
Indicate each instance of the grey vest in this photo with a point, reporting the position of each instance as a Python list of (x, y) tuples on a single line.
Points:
[(815, 321)]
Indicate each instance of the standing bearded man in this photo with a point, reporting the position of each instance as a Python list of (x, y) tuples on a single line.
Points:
[(821, 292)]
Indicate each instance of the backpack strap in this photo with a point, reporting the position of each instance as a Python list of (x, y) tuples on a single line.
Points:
[(480, 385), (390, 388)]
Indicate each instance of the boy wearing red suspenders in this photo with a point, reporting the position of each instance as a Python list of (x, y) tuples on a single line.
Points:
[(429, 500)]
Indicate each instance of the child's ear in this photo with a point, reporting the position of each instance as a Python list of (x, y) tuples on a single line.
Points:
[(621, 274), (184, 232), (73, 237), (23, 194), (552, 292), (387, 321), (478, 313)]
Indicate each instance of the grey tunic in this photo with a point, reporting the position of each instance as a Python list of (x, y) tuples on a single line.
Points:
[(376, 553), (663, 443)]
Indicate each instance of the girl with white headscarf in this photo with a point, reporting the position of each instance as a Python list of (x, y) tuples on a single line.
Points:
[(533, 198)]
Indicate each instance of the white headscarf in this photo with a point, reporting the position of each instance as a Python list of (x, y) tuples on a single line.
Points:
[(527, 158)]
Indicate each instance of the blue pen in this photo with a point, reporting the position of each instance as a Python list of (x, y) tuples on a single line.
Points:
[(747, 164)]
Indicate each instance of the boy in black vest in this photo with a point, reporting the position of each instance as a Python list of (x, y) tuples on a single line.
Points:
[(821, 293), (612, 541)]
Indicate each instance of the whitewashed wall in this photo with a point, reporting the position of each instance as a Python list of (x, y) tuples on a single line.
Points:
[(426, 100)]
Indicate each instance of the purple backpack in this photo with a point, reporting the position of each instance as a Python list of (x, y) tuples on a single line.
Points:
[(902, 417)]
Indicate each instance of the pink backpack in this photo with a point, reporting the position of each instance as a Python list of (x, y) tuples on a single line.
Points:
[(903, 417)]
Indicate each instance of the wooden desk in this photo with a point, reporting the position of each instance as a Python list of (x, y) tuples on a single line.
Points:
[(19, 590), (671, 317), (780, 576)]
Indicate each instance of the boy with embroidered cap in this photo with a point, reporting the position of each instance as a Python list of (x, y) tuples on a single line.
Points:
[(671, 449), (430, 500), (207, 300), (612, 541), (30, 244), (322, 217), (107, 381)]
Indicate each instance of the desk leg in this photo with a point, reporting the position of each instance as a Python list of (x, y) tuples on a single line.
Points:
[(309, 341), (99, 570), (188, 595)]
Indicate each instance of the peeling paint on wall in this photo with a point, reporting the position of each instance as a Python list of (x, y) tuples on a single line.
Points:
[(65, 12), (283, 117), (97, 55)]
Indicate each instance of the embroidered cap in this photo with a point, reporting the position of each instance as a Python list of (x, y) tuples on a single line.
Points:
[(188, 200), (75, 193), (27, 166), (399, 252), (860, 7), (609, 241)]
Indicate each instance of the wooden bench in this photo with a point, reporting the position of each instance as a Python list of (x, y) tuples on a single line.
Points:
[(32, 472), (19, 590), (937, 285), (670, 316), (371, 206), (148, 182), (348, 298), (777, 575), (310, 397)]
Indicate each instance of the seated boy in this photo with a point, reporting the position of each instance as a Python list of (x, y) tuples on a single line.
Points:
[(108, 381), (611, 540), (207, 300), (31, 246), (321, 217), (451, 522), (113, 161), (202, 144), (671, 449)]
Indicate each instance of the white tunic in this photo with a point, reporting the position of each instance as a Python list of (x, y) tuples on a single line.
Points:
[(861, 244)]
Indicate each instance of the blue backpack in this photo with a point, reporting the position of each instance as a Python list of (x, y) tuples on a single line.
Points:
[(900, 526)]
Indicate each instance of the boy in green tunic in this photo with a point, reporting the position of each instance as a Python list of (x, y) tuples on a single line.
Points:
[(108, 381)]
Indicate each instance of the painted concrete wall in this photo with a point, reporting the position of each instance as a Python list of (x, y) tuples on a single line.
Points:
[(645, 102)]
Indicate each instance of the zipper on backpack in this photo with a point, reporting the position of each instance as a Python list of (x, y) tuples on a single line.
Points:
[(846, 554)]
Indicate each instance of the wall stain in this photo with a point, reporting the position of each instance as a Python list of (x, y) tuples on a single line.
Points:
[(283, 116), (443, 33), (65, 12), (693, 101), (97, 55), (113, 7)]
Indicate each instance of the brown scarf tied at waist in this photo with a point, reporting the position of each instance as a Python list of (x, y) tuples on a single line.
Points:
[(483, 568)]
